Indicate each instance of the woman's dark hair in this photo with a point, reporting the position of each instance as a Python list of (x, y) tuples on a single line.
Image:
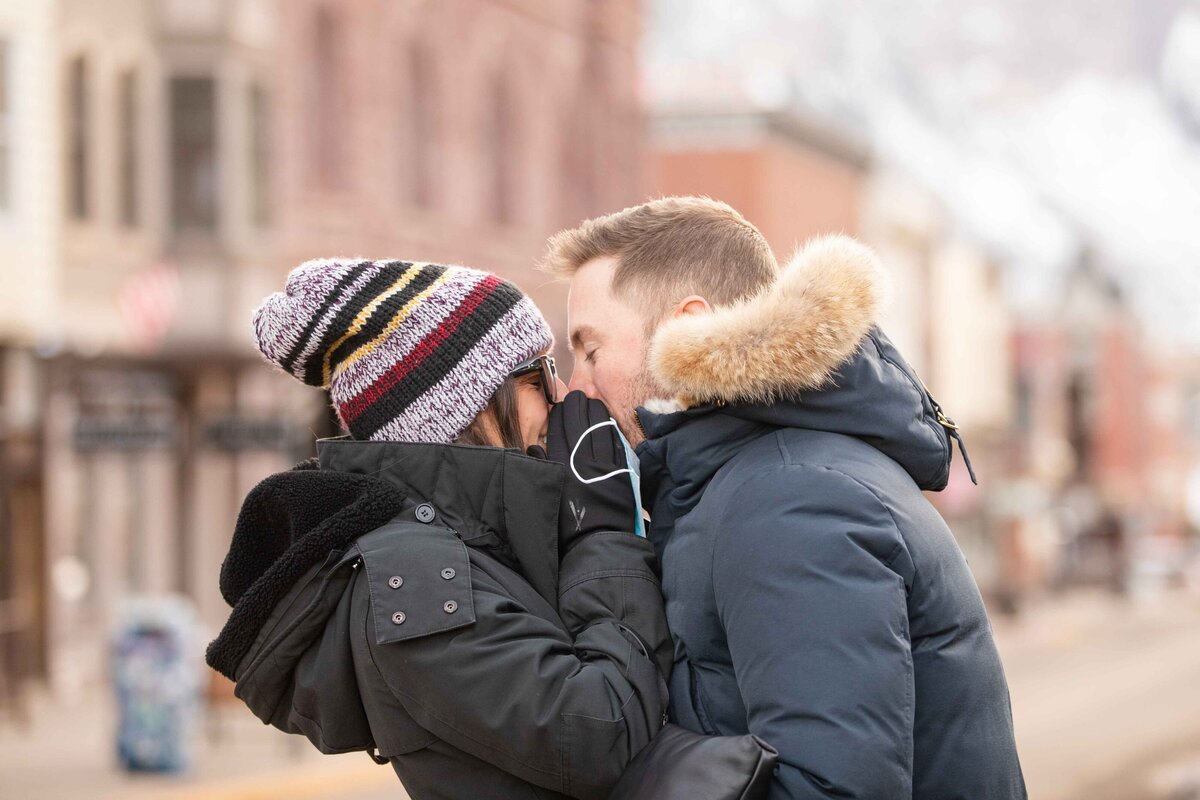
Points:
[(503, 408)]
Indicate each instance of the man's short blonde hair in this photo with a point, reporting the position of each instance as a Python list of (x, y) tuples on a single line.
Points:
[(670, 248)]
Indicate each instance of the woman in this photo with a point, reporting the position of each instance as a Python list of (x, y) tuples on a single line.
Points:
[(424, 590)]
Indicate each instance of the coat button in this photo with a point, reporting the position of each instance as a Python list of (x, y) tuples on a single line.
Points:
[(448, 573), (399, 618), (395, 581), (425, 513), (450, 607)]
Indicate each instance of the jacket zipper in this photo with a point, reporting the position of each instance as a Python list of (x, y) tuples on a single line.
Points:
[(952, 428), (637, 418)]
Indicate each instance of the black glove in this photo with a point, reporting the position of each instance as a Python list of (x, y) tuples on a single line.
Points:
[(607, 505)]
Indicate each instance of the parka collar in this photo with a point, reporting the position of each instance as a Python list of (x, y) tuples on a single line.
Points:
[(482, 493), (874, 396)]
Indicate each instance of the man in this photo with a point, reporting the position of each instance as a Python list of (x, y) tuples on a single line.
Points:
[(816, 598)]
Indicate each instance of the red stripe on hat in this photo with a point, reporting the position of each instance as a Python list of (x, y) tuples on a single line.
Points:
[(356, 405)]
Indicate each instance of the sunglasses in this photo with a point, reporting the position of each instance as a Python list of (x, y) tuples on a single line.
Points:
[(544, 367)]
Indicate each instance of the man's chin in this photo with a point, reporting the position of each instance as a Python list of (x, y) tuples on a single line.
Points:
[(630, 427), (643, 388)]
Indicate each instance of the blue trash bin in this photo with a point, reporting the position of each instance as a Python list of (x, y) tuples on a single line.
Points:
[(157, 676)]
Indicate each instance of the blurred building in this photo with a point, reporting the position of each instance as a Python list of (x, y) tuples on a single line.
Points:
[(465, 131), (796, 178), (790, 176), (946, 308), (1103, 420), (163, 163), (135, 412)]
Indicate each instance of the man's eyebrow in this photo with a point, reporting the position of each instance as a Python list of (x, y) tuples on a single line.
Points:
[(579, 334)]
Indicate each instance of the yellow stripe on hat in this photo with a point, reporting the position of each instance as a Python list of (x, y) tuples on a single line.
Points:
[(362, 316), (395, 322)]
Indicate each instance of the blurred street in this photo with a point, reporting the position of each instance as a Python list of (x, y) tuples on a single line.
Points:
[(1104, 696), (1105, 699), (70, 752)]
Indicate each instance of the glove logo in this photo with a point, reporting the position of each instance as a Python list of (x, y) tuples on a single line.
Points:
[(578, 512)]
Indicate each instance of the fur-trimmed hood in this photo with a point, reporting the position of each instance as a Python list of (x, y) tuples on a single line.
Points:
[(804, 354), (788, 339)]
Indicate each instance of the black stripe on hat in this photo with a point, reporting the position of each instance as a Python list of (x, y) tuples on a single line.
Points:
[(290, 359), (350, 308), (374, 326), (438, 364)]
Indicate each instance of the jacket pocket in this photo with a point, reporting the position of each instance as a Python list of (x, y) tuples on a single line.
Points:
[(698, 704)]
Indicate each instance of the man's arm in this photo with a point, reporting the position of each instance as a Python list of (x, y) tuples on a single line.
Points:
[(817, 627)]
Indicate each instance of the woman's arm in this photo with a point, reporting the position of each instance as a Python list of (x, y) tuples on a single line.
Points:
[(563, 709)]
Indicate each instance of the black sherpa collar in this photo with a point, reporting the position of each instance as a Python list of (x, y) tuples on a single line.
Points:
[(288, 523)]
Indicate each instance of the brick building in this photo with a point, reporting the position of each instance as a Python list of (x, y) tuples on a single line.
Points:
[(795, 178), (790, 176), (162, 165), (458, 130)]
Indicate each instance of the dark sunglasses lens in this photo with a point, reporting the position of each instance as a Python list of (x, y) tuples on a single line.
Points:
[(549, 382)]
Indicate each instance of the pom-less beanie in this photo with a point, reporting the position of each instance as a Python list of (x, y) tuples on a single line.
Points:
[(410, 352)]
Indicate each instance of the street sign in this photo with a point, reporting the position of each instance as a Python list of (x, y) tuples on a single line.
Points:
[(123, 433), (248, 433)]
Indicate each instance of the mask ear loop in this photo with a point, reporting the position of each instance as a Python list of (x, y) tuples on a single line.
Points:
[(575, 449)]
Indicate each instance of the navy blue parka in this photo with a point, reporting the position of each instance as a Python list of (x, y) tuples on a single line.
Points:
[(816, 598)]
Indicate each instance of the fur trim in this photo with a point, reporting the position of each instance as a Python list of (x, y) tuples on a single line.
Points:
[(664, 406), (787, 339)]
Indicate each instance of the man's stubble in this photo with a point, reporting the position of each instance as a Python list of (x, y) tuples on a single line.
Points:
[(643, 387)]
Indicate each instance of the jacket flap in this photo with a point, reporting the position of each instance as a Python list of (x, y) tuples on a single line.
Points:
[(420, 580)]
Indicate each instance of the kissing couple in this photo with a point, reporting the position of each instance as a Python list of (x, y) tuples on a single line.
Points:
[(703, 567)]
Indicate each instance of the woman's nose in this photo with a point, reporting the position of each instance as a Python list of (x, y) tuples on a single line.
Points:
[(560, 389)]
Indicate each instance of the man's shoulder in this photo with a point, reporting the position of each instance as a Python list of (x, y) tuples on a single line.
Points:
[(802, 480), (786, 454)]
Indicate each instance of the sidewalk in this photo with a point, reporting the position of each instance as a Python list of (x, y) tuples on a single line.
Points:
[(1105, 701), (68, 752), (1105, 698)]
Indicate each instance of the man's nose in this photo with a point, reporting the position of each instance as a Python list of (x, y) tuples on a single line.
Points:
[(579, 382)]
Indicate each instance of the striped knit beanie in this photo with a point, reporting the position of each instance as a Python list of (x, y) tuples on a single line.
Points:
[(409, 352)]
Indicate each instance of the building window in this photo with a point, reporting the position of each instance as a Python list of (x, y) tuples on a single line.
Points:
[(127, 133), (78, 166), (421, 124), (5, 130), (1079, 423), (329, 110), (500, 142), (260, 143), (193, 154)]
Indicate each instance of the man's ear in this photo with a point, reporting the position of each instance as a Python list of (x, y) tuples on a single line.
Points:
[(692, 304)]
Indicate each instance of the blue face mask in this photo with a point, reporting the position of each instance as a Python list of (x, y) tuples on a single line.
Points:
[(635, 477), (632, 468)]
